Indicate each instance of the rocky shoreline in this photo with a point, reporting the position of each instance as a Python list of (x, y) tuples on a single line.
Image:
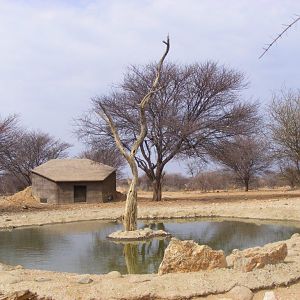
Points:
[(172, 286), (271, 209), (152, 286)]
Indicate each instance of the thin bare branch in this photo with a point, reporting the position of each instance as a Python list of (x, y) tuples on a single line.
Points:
[(287, 27)]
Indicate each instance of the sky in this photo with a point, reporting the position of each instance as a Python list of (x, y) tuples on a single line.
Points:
[(55, 55)]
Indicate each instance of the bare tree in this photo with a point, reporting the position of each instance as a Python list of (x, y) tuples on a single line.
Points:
[(8, 129), (103, 107), (211, 180), (285, 128), (194, 166), (175, 182), (8, 135), (196, 106), (289, 173), (245, 156), (29, 150), (106, 154)]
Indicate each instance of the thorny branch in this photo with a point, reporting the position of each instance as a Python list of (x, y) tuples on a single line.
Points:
[(287, 27)]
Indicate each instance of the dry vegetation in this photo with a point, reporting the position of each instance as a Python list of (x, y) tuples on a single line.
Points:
[(24, 201)]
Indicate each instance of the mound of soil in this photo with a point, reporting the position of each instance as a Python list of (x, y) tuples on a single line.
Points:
[(24, 197), (21, 200)]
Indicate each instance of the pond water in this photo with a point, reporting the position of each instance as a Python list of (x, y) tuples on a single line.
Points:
[(83, 248)]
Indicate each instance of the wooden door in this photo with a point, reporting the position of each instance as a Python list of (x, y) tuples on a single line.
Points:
[(79, 193)]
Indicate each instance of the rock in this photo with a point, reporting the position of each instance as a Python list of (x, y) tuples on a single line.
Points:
[(42, 279), (295, 235), (114, 274), (188, 256), (135, 235), (7, 278), (85, 280), (3, 267), (270, 295), (18, 267), (241, 293), (148, 231), (256, 258), (229, 261), (22, 295)]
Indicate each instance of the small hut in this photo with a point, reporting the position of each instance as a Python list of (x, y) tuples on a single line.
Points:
[(63, 181)]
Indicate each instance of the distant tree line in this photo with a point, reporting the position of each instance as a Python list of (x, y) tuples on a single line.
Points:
[(22, 150), (197, 117), (218, 179)]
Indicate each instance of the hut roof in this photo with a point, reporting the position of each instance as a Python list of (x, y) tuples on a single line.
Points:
[(67, 170)]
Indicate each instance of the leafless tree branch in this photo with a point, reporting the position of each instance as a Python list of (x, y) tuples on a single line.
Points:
[(286, 28), (130, 215)]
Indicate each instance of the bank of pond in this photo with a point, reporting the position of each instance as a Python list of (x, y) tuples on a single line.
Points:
[(83, 247)]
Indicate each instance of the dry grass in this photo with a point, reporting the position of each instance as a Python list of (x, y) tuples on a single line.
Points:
[(23, 201), (221, 196)]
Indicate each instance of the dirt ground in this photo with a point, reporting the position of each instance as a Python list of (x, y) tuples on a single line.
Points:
[(274, 205), (25, 201)]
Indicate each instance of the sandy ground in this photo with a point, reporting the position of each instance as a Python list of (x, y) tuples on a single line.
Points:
[(269, 205), (278, 206)]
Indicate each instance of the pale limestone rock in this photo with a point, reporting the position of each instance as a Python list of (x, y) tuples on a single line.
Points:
[(188, 256), (42, 279), (114, 274), (241, 293), (256, 258), (270, 295), (23, 295), (140, 234), (85, 280), (229, 261), (295, 235), (7, 278), (2, 267), (147, 229)]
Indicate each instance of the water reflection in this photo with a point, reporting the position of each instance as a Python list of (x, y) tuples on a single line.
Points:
[(83, 247), (131, 254)]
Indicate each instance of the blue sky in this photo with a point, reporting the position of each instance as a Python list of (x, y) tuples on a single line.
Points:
[(56, 55)]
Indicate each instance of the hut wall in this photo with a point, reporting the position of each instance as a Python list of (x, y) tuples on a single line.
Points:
[(63, 192), (109, 187), (93, 191), (44, 189)]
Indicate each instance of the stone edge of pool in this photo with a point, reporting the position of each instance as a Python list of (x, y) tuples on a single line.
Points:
[(11, 224), (151, 286), (274, 210)]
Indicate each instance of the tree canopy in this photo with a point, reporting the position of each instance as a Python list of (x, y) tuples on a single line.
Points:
[(195, 106)]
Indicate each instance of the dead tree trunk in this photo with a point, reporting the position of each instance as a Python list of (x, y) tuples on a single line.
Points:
[(130, 215)]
